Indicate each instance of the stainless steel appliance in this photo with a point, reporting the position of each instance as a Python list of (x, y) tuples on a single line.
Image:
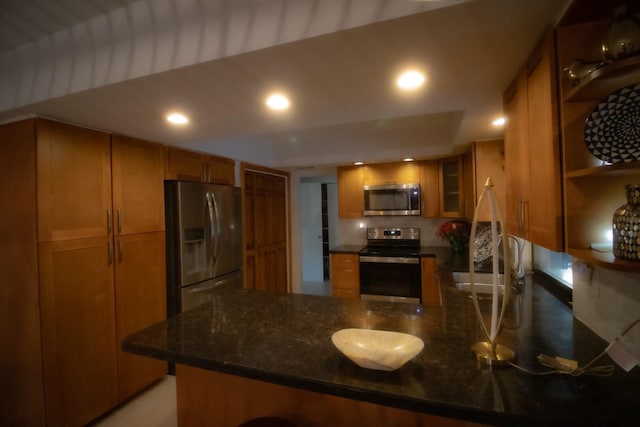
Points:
[(392, 199), (390, 265), (204, 242)]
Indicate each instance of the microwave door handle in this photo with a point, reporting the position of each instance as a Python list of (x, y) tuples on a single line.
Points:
[(210, 231)]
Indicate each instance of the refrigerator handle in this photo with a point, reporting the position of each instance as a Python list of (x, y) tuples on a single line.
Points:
[(211, 231), (216, 247)]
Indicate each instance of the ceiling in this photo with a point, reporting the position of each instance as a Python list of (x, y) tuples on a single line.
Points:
[(121, 65)]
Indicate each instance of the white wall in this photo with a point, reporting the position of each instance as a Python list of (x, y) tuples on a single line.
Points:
[(607, 301), (311, 231)]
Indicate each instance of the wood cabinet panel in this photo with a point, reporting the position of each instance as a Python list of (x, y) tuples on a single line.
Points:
[(430, 286), (545, 185), (78, 330), (185, 165), (391, 173), (74, 181), (350, 192), (429, 184), (140, 295), (451, 187), (486, 161), (220, 170), (21, 393), (345, 275), (517, 155), (138, 185), (217, 399), (532, 145)]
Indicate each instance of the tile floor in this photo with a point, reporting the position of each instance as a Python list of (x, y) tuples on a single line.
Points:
[(156, 407)]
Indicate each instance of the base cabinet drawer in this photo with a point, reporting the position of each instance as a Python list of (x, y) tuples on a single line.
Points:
[(345, 275)]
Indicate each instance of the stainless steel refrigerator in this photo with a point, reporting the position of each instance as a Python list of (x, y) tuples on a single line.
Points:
[(204, 242)]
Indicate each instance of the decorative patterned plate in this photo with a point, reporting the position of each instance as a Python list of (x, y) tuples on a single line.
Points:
[(612, 131), (482, 249)]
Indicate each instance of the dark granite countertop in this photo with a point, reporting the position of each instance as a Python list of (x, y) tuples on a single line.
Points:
[(286, 339), (346, 249)]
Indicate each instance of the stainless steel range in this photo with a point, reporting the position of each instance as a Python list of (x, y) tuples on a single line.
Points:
[(390, 265)]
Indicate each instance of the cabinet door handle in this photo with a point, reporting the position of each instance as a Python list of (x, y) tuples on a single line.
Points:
[(120, 251), (119, 221), (525, 216), (109, 226), (110, 251)]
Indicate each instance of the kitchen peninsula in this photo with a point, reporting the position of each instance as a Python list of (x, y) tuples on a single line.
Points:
[(250, 354)]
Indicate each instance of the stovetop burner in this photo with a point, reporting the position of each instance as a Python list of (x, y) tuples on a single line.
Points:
[(392, 242)]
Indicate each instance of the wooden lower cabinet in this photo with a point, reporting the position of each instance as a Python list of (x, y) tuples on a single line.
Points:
[(430, 285), (78, 330), (209, 398), (140, 302), (345, 275)]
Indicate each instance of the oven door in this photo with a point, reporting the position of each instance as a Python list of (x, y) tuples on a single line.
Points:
[(390, 278)]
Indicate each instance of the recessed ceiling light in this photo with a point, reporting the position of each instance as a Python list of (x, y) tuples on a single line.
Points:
[(407, 159), (409, 80), (358, 163), (499, 121), (278, 102), (177, 119)]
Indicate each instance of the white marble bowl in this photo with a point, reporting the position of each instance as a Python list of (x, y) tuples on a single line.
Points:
[(374, 349)]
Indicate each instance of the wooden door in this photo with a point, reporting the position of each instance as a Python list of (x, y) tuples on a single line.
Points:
[(545, 191), (78, 330), (74, 182), (140, 292), (265, 231), (138, 185), (516, 143), (350, 192)]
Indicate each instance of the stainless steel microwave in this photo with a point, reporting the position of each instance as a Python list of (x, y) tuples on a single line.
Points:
[(392, 199)]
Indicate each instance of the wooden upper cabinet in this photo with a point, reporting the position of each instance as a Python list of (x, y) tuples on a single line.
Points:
[(350, 192), (138, 185), (545, 185), (516, 142), (189, 165), (485, 159), (185, 165), (220, 170), (391, 173), (451, 187), (532, 151), (429, 188), (73, 181)]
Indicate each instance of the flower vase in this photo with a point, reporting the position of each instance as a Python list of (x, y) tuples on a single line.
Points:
[(457, 244), (626, 226)]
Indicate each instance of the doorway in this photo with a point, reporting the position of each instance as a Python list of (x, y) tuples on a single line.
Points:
[(318, 223)]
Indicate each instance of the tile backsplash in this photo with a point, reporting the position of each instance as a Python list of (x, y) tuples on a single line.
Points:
[(607, 301), (353, 231)]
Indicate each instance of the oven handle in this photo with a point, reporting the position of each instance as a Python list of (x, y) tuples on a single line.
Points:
[(390, 259)]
